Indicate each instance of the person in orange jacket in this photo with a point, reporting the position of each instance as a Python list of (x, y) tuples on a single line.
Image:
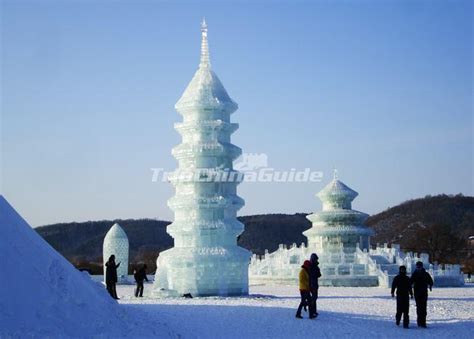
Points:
[(304, 289)]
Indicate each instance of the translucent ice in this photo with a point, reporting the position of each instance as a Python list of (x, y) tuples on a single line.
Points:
[(341, 240), (205, 259), (116, 243)]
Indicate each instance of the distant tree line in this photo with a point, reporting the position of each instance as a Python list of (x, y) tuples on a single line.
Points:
[(438, 225)]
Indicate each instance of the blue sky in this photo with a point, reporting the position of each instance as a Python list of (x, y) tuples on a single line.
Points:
[(382, 90)]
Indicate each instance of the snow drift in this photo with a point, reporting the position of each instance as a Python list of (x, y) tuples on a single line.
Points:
[(42, 294)]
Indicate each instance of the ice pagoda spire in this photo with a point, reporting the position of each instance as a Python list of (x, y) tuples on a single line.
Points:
[(205, 91), (205, 61)]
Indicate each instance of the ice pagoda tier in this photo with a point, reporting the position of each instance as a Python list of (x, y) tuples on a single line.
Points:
[(116, 243), (205, 259)]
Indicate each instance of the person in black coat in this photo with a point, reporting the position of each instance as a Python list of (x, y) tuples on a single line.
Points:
[(111, 276), (402, 284), (140, 276), (421, 281), (314, 275)]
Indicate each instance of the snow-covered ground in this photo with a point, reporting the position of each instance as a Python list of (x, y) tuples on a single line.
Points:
[(269, 312), (44, 296)]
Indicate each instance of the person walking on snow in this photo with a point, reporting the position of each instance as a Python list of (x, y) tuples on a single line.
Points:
[(304, 288), (314, 275), (402, 284), (421, 281), (140, 276), (111, 276)]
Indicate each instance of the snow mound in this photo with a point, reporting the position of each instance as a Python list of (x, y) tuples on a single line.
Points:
[(42, 294)]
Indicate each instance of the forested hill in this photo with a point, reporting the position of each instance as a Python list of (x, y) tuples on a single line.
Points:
[(457, 212), (82, 242), (439, 225)]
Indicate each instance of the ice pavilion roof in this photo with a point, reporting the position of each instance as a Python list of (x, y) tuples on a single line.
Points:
[(337, 189)]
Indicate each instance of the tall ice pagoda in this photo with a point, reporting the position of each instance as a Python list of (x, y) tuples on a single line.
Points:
[(205, 259)]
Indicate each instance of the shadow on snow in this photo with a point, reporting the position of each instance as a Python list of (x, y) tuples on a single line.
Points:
[(241, 321)]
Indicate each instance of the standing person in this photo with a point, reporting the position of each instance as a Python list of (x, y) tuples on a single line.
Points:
[(421, 281), (304, 288), (402, 284), (111, 276), (140, 276), (314, 275)]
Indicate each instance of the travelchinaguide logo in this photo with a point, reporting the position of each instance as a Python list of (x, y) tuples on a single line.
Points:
[(249, 167)]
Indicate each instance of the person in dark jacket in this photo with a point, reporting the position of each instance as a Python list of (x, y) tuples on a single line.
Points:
[(140, 276), (421, 281), (402, 284), (304, 288), (314, 275), (111, 276)]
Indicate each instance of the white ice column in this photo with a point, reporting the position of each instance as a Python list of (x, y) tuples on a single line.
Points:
[(116, 243)]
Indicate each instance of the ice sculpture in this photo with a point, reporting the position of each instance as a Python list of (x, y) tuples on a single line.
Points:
[(337, 235), (205, 259), (342, 241), (116, 243)]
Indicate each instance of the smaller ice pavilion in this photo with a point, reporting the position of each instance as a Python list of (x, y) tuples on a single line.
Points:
[(338, 232), (342, 241), (339, 237)]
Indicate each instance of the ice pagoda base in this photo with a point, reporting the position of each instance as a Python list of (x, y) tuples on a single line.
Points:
[(224, 272)]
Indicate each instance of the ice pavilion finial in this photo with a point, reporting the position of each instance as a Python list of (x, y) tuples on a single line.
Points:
[(335, 176), (205, 61)]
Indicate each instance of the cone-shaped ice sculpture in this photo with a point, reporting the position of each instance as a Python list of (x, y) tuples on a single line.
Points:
[(206, 259), (116, 243)]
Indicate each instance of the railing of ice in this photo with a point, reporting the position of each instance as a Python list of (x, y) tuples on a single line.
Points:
[(374, 268)]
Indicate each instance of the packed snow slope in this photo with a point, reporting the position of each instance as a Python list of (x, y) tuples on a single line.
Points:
[(344, 312), (43, 295)]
